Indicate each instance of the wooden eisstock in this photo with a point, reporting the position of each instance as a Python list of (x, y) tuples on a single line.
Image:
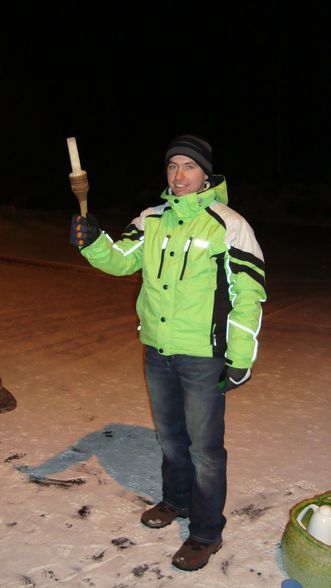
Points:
[(78, 176)]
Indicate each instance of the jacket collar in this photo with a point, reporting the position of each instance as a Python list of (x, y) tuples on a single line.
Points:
[(190, 205)]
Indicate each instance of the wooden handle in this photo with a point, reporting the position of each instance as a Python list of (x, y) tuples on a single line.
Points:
[(73, 154), (78, 177), (80, 187)]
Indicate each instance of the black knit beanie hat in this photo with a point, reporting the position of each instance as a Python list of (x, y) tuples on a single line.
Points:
[(194, 147)]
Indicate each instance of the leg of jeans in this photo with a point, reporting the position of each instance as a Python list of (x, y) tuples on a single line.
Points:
[(167, 404), (204, 417)]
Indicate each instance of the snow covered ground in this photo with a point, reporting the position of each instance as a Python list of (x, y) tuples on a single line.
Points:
[(70, 355)]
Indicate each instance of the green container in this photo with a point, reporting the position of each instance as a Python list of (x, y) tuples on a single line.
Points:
[(305, 558)]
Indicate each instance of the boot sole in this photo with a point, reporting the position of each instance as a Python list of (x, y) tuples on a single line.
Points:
[(198, 567), (160, 526)]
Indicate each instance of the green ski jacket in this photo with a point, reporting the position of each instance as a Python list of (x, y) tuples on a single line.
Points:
[(203, 276)]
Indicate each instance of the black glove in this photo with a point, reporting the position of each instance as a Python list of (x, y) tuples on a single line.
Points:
[(233, 378), (84, 230)]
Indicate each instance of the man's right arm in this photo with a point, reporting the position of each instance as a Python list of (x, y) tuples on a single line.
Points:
[(119, 258)]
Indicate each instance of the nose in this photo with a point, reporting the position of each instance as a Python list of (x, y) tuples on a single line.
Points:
[(179, 173)]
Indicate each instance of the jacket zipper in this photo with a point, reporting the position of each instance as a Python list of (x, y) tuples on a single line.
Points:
[(164, 246), (186, 252)]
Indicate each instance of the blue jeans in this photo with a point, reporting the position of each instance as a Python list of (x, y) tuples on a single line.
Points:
[(188, 412)]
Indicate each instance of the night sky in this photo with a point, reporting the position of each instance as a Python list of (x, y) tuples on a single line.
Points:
[(253, 78)]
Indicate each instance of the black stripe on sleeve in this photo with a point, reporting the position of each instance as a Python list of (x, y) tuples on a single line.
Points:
[(216, 216), (132, 232), (158, 214), (237, 267), (244, 256)]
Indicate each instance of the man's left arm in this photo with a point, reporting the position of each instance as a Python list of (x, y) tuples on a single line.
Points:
[(246, 278)]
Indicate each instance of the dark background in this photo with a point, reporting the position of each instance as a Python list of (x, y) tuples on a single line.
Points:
[(252, 77)]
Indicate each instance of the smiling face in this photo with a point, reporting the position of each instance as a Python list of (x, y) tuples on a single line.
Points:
[(185, 175)]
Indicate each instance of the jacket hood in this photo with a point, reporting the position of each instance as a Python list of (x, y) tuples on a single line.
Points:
[(218, 184), (192, 203)]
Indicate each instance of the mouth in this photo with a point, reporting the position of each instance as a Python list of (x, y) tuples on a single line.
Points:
[(180, 188)]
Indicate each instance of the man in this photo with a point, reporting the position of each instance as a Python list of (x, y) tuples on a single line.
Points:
[(200, 314)]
